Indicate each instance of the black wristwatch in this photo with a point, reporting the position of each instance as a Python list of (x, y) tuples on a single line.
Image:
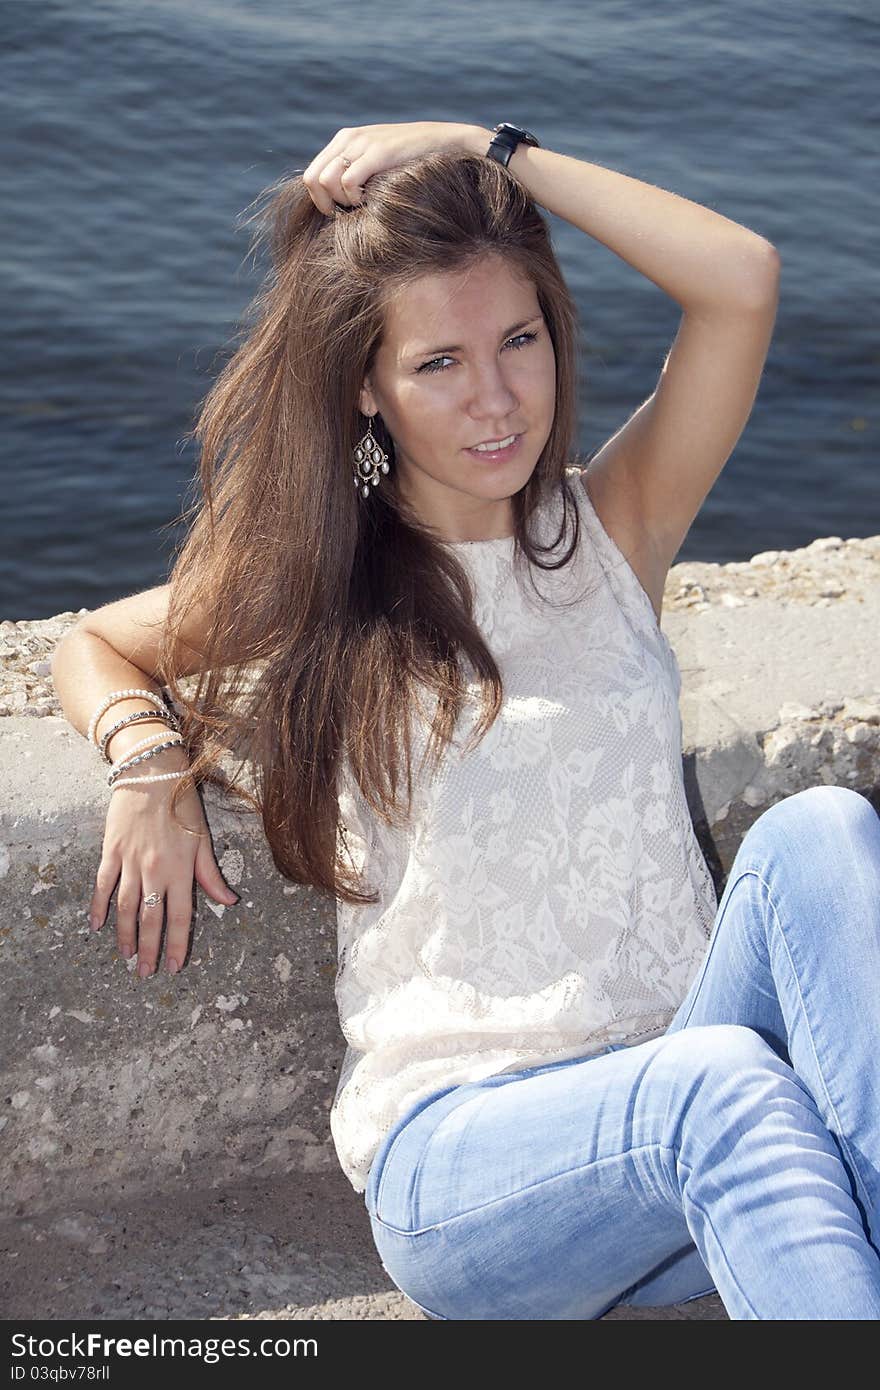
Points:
[(506, 139)]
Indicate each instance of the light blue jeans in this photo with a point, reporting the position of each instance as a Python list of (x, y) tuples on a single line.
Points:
[(739, 1152)]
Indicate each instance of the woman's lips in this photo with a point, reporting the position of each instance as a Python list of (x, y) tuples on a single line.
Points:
[(497, 455)]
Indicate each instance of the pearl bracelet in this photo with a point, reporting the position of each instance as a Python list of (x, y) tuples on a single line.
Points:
[(152, 777), (112, 698), (126, 763), (136, 748)]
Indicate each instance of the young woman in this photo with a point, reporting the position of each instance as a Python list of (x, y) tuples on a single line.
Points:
[(572, 1078)]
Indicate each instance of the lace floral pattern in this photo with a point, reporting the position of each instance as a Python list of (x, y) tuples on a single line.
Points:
[(551, 896)]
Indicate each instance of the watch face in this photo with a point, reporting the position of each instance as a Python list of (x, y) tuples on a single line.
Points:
[(506, 128)]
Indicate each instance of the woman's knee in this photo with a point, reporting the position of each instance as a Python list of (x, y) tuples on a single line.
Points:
[(719, 1061), (720, 1045), (822, 840), (821, 810)]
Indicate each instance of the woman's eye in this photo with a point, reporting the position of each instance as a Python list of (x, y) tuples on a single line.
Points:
[(519, 341)]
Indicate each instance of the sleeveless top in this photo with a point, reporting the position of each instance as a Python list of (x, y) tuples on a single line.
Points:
[(550, 896)]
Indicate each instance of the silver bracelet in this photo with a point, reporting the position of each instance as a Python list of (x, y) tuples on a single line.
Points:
[(136, 747), (140, 714), (116, 695), (141, 757)]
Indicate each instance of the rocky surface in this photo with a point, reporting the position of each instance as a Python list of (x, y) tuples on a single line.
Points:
[(293, 1250), (817, 575), (215, 1192)]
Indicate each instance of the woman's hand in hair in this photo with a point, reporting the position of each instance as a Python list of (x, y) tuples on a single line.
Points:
[(371, 148)]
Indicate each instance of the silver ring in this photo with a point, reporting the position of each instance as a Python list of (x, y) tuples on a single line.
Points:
[(152, 899), (346, 162)]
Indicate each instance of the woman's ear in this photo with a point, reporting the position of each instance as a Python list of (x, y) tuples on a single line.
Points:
[(366, 402)]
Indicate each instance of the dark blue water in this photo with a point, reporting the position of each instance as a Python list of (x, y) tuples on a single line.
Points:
[(133, 136)]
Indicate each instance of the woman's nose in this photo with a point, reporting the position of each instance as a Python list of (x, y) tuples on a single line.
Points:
[(491, 394)]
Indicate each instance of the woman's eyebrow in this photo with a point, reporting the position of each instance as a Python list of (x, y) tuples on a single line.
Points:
[(456, 347)]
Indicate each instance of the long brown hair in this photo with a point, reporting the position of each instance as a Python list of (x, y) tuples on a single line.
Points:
[(329, 612)]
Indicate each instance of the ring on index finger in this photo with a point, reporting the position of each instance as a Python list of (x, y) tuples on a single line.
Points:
[(152, 899)]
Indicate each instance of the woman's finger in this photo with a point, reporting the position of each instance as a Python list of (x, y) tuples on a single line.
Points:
[(179, 903), (332, 156), (334, 147), (353, 177), (151, 913), (127, 904), (330, 190), (105, 881)]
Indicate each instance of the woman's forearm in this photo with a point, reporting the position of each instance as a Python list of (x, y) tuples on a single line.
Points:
[(85, 669), (701, 259)]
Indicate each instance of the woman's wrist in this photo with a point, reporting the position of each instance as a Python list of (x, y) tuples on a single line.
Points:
[(478, 139), (165, 761), (123, 740), (162, 769)]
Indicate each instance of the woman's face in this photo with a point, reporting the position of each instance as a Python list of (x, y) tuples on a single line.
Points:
[(449, 374)]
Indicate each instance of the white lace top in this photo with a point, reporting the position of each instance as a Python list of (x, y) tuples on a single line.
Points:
[(551, 897)]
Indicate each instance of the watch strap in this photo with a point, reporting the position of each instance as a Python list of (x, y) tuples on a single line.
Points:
[(505, 139)]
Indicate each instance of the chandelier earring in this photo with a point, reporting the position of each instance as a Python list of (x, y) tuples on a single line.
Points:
[(370, 459)]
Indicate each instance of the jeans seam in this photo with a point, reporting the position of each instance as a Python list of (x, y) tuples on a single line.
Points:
[(430, 1312), (381, 1182), (840, 1135), (508, 1196), (608, 1158), (713, 1289), (409, 1116), (721, 1251), (712, 940)]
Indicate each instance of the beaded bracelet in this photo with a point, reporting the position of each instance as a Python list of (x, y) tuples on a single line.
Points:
[(128, 758), (136, 748), (167, 718), (165, 712), (141, 757), (126, 763), (151, 777), (114, 697)]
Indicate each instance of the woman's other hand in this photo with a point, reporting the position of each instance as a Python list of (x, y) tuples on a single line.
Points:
[(146, 851), (370, 148)]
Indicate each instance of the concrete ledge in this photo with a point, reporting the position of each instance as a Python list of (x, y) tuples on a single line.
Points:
[(168, 1094)]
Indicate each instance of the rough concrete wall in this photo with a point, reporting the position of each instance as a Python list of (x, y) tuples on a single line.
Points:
[(115, 1087)]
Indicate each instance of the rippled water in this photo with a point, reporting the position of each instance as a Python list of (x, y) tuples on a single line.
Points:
[(134, 135)]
